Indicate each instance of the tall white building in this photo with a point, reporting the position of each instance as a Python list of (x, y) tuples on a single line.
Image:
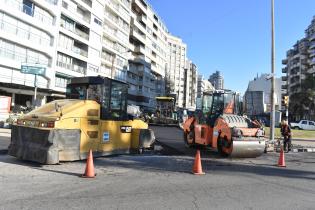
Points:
[(28, 34), (217, 80), (121, 39), (148, 42), (191, 79), (203, 85), (68, 38), (175, 74)]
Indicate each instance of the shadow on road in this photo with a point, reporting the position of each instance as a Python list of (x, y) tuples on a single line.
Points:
[(184, 165)]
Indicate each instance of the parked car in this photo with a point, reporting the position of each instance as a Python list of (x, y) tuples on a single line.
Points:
[(303, 125)]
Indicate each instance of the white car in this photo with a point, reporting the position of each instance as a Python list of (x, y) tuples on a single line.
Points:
[(303, 125)]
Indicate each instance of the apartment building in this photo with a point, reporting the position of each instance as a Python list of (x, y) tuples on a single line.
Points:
[(191, 80), (121, 39), (28, 33), (176, 69), (148, 43), (203, 85), (217, 80), (115, 39), (298, 64), (68, 38)]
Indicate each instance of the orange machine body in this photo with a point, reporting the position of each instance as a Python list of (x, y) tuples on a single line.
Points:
[(224, 130)]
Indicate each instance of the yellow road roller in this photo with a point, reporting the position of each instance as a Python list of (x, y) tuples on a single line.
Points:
[(93, 116)]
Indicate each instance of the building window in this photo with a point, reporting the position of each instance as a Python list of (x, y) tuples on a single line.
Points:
[(22, 54), (97, 21), (61, 82), (28, 7)]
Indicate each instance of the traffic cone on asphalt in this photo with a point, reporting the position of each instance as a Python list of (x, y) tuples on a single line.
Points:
[(281, 161), (197, 169), (89, 169)]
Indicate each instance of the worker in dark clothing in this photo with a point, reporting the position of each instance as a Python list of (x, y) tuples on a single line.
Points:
[(286, 133)]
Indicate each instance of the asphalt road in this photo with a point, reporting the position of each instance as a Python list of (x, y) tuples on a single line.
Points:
[(161, 180)]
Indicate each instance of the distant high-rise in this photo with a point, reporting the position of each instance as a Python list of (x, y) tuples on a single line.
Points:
[(217, 80), (299, 65)]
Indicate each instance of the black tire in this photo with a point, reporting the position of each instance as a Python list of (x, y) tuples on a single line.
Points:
[(187, 144), (220, 148)]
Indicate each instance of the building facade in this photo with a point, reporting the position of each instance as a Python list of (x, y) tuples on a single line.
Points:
[(28, 34), (299, 66), (121, 39), (217, 80), (147, 65), (203, 85), (258, 95), (190, 91), (176, 70)]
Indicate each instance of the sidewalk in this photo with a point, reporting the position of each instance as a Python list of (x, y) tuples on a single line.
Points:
[(304, 142), (5, 132)]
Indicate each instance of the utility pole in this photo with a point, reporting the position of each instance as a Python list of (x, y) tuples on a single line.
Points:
[(272, 97)]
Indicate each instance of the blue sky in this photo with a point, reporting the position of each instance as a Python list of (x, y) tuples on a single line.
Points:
[(233, 36)]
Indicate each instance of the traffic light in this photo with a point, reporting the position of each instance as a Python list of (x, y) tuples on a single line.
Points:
[(285, 100)]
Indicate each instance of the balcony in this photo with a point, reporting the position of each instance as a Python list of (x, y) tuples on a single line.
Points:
[(107, 57), (78, 12), (311, 52), (80, 51), (112, 18), (25, 34), (142, 18), (140, 50), (284, 87), (141, 37), (284, 78), (126, 3), (285, 70), (54, 2), (285, 61), (72, 67), (141, 5), (34, 11), (87, 2), (312, 37), (312, 45)]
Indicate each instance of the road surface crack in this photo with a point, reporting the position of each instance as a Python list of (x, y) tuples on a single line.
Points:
[(195, 202)]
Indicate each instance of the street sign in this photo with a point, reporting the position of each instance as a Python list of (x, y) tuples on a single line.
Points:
[(36, 69)]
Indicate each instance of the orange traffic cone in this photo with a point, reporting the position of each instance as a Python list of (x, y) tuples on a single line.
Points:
[(89, 169), (197, 169), (281, 161)]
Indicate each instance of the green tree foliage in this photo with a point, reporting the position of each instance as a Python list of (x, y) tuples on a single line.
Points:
[(302, 104)]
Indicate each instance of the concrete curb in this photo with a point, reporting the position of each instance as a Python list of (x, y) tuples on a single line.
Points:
[(303, 150)]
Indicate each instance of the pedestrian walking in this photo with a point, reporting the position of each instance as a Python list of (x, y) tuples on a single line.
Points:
[(286, 133)]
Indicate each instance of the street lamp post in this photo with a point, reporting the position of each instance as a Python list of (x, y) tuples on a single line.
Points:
[(272, 97)]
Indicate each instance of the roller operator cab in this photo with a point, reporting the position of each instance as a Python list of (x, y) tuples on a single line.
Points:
[(219, 124), (94, 116)]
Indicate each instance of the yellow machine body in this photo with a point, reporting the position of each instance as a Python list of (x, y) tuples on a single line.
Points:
[(65, 130)]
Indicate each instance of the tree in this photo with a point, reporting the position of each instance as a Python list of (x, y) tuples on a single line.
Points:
[(302, 103)]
